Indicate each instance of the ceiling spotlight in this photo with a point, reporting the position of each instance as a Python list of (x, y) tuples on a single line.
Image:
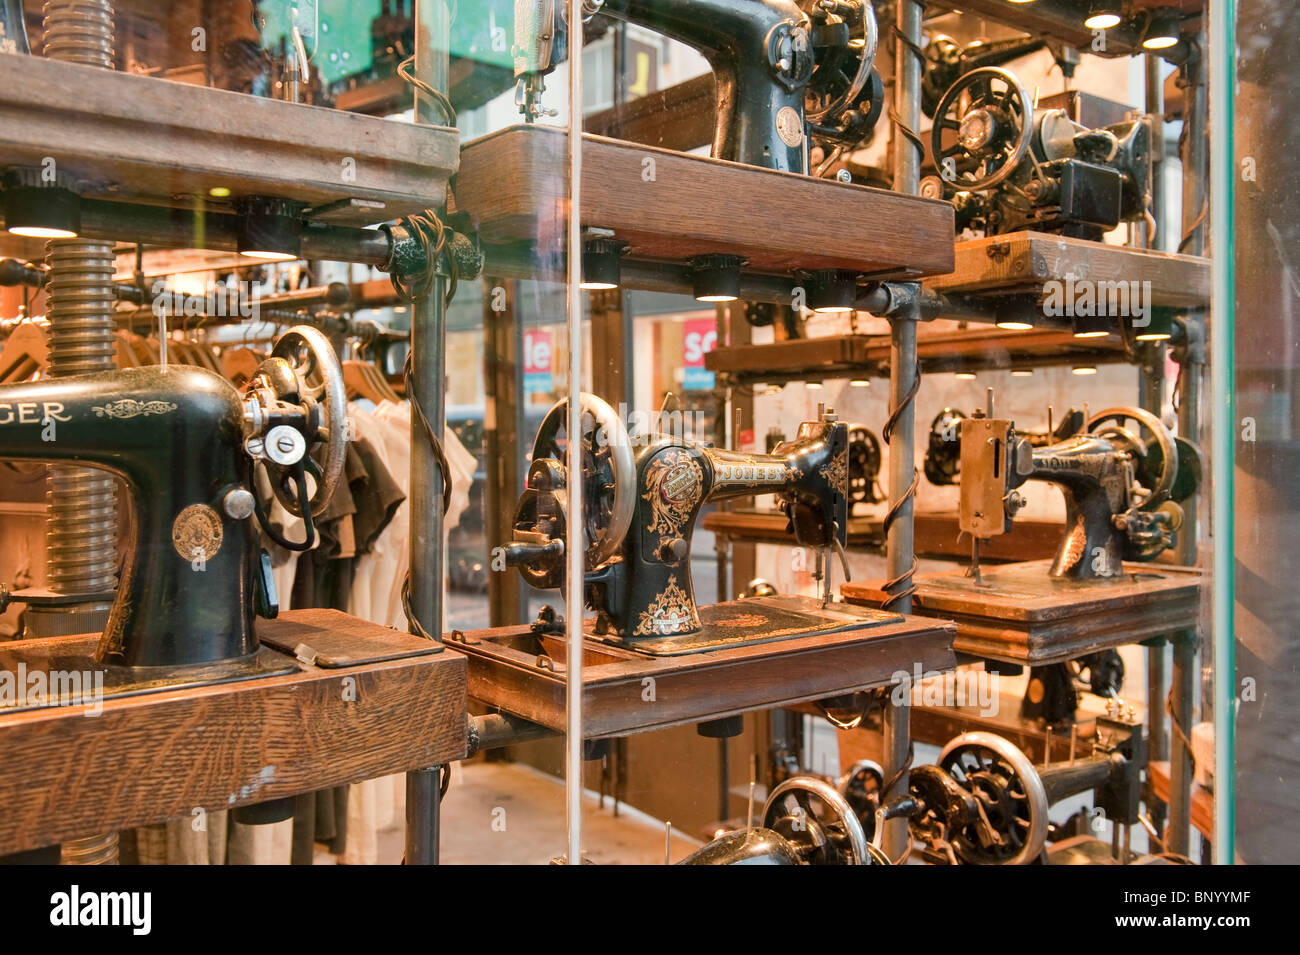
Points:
[(1158, 328), (219, 192), (1084, 370), (859, 382), (812, 385), (965, 375), (600, 262), (1021, 372), (1091, 326), (1162, 32), (716, 278), (833, 291), (1014, 324), (1103, 14), (269, 228), (38, 209)]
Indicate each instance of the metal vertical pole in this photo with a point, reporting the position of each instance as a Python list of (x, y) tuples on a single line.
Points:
[(1151, 381), (903, 372), (1184, 682), (577, 545), (428, 361), (1222, 86)]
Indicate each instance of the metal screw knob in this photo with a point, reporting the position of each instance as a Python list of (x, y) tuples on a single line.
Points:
[(285, 445), (238, 504)]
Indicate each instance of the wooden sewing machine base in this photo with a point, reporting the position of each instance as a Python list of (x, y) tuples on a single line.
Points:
[(624, 692), (1024, 616), (374, 702)]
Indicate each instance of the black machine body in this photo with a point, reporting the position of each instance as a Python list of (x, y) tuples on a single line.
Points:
[(189, 446), (640, 507), (783, 69)]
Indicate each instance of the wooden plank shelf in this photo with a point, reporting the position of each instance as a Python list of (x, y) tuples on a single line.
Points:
[(983, 348), (523, 673), (936, 534), (66, 773), (1023, 261), (671, 206), (144, 139), (1024, 616)]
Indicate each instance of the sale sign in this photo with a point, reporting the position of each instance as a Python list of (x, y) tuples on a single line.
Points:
[(539, 361), (699, 336)]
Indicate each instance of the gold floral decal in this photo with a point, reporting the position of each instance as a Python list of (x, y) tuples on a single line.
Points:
[(1076, 544), (674, 482), (130, 408), (837, 473), (671, 612)]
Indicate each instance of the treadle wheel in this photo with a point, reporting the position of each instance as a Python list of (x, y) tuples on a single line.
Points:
[(821, 824), (1010, 793)]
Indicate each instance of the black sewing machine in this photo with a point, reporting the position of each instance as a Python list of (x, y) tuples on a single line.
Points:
[(193, 451), (784, 70), (983, 802), (640, 506), (1007, 165), (1121, 489)]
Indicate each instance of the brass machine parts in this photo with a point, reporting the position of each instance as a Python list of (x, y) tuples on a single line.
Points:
[(1121, 488)]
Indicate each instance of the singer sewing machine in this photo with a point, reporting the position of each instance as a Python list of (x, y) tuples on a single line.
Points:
[(641, 499), (783, 69), (197, 703), (1007, 165), (1123, 476)]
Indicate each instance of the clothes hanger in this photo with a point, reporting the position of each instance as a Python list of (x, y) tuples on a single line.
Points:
[(25, 353)]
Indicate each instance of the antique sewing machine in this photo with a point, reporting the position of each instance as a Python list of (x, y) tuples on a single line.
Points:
[(784, 70), (1123, 476), (640, 511), (194, 452), (1007, 165), (1119, 488), (983, 802), (942, 464)]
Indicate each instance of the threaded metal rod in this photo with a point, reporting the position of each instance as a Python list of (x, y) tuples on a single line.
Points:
[(81, 530)]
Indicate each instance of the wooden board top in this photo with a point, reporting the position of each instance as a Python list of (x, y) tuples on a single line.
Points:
[(143, 759), (1023, 592), (141, 138), (1023, 261), (521, 673), (671, 206)]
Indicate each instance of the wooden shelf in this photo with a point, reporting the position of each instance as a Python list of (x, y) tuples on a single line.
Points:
[(671, 206), (139, 138), (522, 673), (1202, 803), (151, 757), (984, 348), (1024, 616), (1023, 261)]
